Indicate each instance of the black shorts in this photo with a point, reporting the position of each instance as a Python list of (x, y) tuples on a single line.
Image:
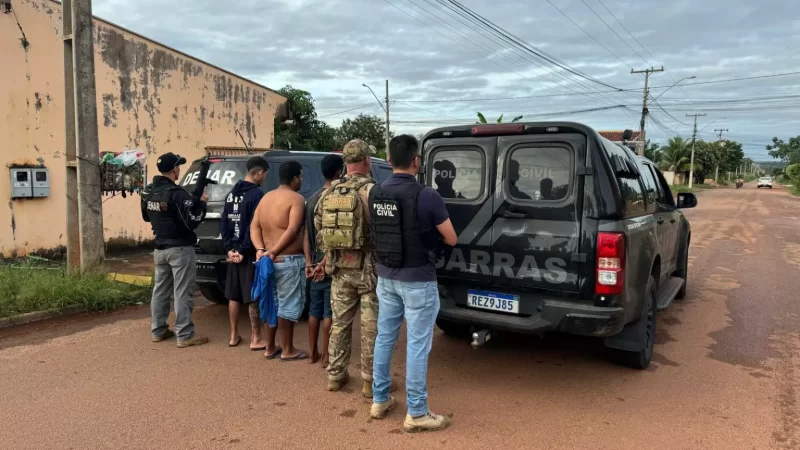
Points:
[(239, 280)]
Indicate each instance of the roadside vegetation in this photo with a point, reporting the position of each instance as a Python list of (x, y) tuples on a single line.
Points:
[(32, 285)]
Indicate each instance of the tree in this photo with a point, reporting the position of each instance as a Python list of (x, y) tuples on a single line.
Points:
[(369, 128), (307, 132), (705, 161), (482, 119), (728, 155), (651, 151), (788, 152), (676, 156)]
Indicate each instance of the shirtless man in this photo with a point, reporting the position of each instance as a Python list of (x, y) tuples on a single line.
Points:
[(277, 233)]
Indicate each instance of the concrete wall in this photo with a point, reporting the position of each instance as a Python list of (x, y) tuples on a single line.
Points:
[(148, 96)]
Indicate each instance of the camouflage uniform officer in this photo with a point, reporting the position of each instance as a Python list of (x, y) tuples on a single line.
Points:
[(342, 219)]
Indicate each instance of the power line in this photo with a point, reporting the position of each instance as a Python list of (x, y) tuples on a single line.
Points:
[(346, 111), (538, 114), (587, 33), (614, 31), (489, 99), (527, 47)]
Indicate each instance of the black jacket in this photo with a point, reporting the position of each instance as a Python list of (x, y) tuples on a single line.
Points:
[(240, 204), (173, 213)]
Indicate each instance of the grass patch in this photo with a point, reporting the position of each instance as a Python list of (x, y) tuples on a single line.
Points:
[(678, 188), (29, 287)]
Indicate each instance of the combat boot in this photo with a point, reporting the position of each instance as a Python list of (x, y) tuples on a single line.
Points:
[(336, 385), (366, 388), (428, 422), (379, 410)]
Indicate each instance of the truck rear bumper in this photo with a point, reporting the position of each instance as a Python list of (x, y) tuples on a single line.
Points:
[(211, 270), (552, 315)]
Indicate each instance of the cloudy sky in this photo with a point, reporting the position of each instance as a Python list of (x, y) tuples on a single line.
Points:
[(444, 65)]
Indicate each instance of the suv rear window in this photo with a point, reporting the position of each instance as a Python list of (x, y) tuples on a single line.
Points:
[(312, 175), (539, 173), (225, 173), (458, 174)]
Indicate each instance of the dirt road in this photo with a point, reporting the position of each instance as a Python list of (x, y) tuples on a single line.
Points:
[(726, 374)]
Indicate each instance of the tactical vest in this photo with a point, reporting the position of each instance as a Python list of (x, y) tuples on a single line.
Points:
[(343, 215), (400, 240)]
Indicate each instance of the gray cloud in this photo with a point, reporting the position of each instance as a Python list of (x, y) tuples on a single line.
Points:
[(331, 47)]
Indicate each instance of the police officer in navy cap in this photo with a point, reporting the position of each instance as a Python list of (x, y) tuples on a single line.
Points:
[(173, 214)]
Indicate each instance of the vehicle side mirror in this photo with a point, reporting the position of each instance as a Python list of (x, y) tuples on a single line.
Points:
[(686, 200)]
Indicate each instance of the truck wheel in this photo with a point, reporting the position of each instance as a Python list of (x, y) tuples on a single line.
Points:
[(213, 293), (683, 272), (641, 359), (451, 329)]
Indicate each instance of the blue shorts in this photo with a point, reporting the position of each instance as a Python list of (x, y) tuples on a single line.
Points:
[(290, 283), (320, 306)]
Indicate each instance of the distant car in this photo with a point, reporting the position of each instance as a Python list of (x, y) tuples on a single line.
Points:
[(765, 182)]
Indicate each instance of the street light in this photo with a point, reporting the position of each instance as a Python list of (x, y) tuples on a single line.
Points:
[(385, 109), (676, 83)]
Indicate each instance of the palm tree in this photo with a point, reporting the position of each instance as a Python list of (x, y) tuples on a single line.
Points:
[(676, 155), (482, 119)]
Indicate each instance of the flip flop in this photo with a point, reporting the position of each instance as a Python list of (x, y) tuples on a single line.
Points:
[(258, 349), (299, 357), (275, 354), (238, 341)]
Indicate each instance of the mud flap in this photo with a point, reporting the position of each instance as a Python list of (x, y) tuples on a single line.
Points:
[(633, 337)]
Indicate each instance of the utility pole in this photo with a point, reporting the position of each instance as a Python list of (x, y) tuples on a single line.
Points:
[(646, 72), (85, 240), (387, 117), (694, 138), (720, 130)]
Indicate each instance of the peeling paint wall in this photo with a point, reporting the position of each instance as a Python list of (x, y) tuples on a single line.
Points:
[(148, 96)]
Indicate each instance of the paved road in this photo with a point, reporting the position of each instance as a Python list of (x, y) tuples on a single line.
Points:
[(726, 374)]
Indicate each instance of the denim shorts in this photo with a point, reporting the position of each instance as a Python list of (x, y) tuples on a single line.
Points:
[(320, 306), (290, 283)]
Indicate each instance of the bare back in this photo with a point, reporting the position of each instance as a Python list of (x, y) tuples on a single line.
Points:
[(279, 211)]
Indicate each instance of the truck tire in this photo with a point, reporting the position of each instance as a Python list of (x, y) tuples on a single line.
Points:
[(683, 272), (452, 329), (641, 359), (213, 293)]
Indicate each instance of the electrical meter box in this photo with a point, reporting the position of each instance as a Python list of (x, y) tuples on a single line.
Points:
[(41, 182), (21, 183)]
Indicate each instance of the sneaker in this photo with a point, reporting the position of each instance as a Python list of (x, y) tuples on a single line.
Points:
[(336, 385), (192, 342), (169, 334), (366, 388), (379, 410), (428, 422)]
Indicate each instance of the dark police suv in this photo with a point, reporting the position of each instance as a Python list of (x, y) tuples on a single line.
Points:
[(559, 229), (226, 170)]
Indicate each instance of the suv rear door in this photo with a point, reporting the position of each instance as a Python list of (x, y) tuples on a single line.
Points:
[(538, 202), (226, 172), (462, 171)]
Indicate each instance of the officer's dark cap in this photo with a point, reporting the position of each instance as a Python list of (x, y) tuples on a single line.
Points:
[(169, 161)]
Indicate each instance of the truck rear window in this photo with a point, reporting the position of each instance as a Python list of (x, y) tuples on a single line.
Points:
[(539, 173), (458, 173), (225, 173)]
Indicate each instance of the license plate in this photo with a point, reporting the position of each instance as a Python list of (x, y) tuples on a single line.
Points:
[(206, 265), (493, 301)]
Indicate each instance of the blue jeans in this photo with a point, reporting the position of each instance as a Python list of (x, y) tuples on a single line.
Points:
[(290, 286), (418, 303)]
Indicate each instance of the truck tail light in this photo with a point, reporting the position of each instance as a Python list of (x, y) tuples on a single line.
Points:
[(610, 277), (495, 130)]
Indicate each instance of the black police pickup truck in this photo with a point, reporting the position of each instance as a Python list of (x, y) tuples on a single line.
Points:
[(559, 229), (226, 170)]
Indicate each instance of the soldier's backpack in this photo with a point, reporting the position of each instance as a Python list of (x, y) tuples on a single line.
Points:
[(343, 216)]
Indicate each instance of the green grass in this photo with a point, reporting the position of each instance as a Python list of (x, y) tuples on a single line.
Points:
[(678, 188), (28, 288)]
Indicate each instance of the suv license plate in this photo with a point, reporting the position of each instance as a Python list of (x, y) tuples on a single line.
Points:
[(493, 301)]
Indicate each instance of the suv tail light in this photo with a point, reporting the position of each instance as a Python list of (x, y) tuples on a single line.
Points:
[(494, 130), (610, 277)]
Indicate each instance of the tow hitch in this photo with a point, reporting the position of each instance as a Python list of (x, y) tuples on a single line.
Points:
[(480, 337)]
